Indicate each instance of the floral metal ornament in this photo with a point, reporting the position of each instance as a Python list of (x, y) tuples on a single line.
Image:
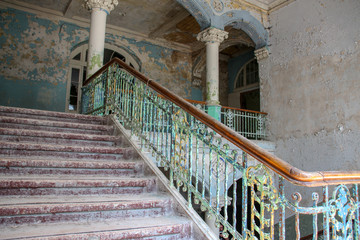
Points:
[(342, 209), (264, 201)]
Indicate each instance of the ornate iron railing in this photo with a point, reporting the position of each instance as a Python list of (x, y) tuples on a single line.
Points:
[(248, 123), (228, 176)]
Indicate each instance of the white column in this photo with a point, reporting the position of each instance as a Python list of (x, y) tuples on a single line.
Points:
[(212, 37), (99, 11)]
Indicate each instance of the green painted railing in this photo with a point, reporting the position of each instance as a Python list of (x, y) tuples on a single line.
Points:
[(248, 123), (247, 190)]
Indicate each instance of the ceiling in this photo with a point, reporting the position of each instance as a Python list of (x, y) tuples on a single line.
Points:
[(157, 19)]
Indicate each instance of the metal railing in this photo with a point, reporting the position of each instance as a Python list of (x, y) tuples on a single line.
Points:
[(248, 123), (225, 174)]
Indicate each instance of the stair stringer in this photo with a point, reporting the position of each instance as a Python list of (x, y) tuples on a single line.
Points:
[(200, 229)]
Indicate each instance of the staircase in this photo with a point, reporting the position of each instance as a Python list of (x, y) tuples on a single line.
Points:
[(67, 176)]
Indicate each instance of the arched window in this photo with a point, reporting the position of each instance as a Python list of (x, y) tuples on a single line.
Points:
[(77, 74), (248, 76), (247, 84)]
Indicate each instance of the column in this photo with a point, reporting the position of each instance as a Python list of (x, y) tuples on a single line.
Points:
[(99, 11), (212, 37)]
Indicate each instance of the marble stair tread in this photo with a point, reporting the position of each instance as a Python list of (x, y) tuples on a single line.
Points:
[(68, 178), (63, 148), (50, 199), (56, 124), (50, 208), (62, 135), (59, 115), (69, 163), (121, 229)]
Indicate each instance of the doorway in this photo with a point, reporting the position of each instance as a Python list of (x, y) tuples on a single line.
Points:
[(77, 73)]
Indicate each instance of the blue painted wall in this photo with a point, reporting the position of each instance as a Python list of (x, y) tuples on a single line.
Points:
[(235, 64), (34, 60)]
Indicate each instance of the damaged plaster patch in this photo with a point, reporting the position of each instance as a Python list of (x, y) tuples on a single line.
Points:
[(31, 42), (309, 84), (169, 67)]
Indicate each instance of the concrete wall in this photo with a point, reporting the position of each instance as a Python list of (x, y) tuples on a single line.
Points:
[(34, 59), (310, 84)]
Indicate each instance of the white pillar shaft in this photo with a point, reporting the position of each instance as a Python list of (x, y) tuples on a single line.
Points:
[(212, 73), (96, 41)]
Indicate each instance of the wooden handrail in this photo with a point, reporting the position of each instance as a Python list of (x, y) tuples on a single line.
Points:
[(286, 170), (232, 108), (244, 110)]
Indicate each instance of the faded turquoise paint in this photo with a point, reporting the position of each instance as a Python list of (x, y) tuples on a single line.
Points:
[(154, 52), (50, 27), (214, 111), (206, 16), (241, 19), (37, 95), (235, 64), (34, 61), (34, 54), (196, 94)]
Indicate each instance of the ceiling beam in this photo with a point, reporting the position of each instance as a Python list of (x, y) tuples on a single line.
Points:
[(70, 9), (158, 32)]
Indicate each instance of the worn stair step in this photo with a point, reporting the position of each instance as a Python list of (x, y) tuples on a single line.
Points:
[(31, 136), (55, 126), (65, 151), (74, 185), (84, 208), (159, 228), (50, 115), (59, 166)]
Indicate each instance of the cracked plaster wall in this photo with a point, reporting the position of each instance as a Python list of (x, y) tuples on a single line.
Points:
[(310, 84), (34, 60)]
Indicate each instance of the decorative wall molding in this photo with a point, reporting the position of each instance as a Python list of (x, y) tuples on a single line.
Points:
[(217, 5), (107, 5), (212, 35), (262, 53)]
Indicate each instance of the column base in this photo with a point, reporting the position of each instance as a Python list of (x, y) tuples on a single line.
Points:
[(214, 111)]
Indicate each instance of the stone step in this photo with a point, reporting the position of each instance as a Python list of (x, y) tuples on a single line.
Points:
[(29, 210), (65, 151), (74, 185), (54, 126), (64, 176), (18, 166), (158, 228), (49, 115), (23, 135)]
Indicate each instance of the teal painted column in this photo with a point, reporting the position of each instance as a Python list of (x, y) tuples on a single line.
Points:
[(214, 111), (212, 37)]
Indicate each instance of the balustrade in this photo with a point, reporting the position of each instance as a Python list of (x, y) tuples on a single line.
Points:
[(243, 186)]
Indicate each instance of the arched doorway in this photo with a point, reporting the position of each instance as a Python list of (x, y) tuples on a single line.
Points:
[(77, 75)]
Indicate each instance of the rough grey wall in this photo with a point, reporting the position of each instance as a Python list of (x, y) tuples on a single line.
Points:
[(310, 84)]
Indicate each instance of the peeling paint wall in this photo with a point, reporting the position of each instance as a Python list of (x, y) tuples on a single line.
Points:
[(34, 60), (310, 84)]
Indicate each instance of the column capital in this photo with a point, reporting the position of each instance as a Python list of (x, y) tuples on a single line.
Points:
[(261, 53), (212, 35), (107, 5)]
